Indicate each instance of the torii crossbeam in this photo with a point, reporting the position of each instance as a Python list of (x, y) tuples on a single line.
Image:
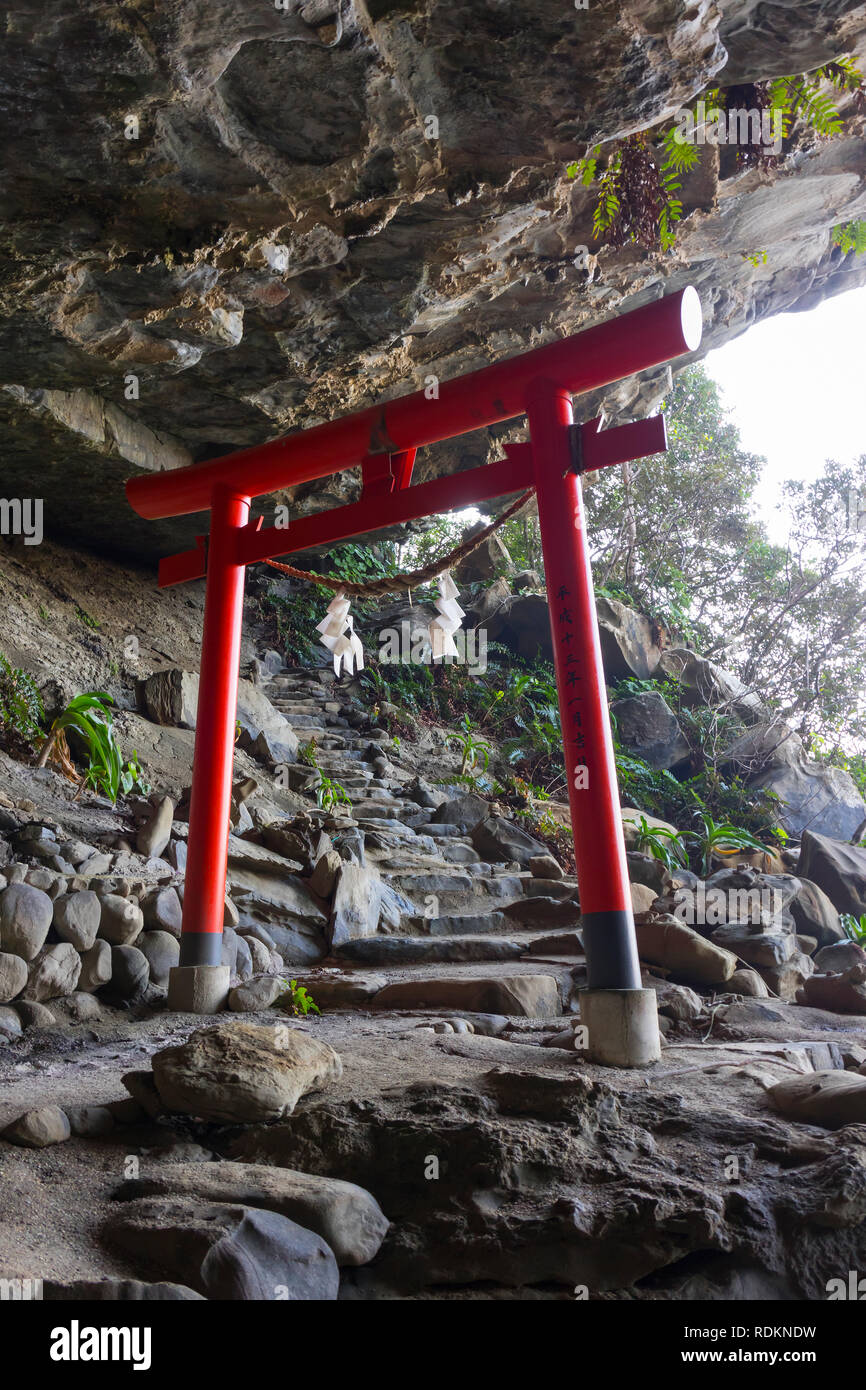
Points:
[(383, 440)]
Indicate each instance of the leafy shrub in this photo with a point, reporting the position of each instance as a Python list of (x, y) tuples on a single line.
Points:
[(854, 927), (330, 794), (297, 999), (91, 717), (21, 709)]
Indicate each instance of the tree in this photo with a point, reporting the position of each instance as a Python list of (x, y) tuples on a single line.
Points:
[(679, 537)]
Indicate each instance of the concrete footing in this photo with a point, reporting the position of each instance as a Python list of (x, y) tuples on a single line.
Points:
[(198, 989), (622, 1026)]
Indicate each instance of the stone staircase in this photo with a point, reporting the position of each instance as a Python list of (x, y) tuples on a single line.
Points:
[(483, 920)]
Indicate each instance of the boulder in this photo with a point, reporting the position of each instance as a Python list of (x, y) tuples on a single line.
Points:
[(162, 952), (666, 942), (529, 996), (347, 1217), (841, 956), (53, 972), (642, 898), (95, 967), (650, 872), (37, 1129), (171, 697), (162, 910), (260, 956), (520, 622), (465, 810), (787, 978), (243, 1073), (357, 904), (89, 1121), (76, 918), (814, 914), (838, 869), (489, 560), (228, 1252), (130, 972), (748, 982), (121, 921), (324, 876), (628, 641), (25, 918), (256, 994), (545, 866), (703, 682), (675, 1001), (830, 1099), (842, 993), (647, 727), (10, 1023), (500, 841), (33, 1015), (815, 796), (154, 835), (13, 976), (755, 946)]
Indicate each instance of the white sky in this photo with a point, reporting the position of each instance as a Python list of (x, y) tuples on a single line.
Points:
[(796, 388)]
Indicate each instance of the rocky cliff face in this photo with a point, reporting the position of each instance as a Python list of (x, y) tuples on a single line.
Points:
[(227, 222)]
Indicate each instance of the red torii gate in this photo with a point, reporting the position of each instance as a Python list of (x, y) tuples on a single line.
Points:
[(383, 439)]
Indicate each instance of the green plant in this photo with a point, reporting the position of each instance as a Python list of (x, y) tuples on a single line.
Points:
[(854, 927), (132, 777), (722, 839), (308, 754), (850, 236), (87, 618), (359, 563), (475, 752), (640, 182), (668, 846), (21, 709), (330, 794), (297, 999), (91, 717)]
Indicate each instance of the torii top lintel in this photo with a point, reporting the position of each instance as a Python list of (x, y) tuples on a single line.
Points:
[(607, 352)]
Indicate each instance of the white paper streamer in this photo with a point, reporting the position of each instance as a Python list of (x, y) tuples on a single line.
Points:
[(339, 636), (448, 619)]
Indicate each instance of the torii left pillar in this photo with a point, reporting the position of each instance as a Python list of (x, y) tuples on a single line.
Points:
[(200, 983)]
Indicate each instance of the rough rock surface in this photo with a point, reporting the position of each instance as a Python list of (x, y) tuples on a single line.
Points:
[(191, 272), (229, 1252), (347, 1217), (241, 1072)]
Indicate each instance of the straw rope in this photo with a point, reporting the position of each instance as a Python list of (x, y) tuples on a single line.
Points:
[(396, 583)]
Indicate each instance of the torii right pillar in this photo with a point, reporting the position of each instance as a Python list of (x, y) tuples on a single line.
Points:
[(619, 1016)]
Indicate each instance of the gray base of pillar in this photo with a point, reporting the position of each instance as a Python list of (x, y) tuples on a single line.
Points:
[(622, 1026), (198, 989)]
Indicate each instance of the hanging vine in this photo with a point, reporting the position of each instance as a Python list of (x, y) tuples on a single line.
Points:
[(640, 179)]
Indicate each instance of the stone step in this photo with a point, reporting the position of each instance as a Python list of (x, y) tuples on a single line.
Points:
[(550, 887), (425, 950), (493, 923), (542, 912)]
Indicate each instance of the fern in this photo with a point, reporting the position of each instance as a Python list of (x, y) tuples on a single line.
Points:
[(21, 708), (638, 195), (850, 236)]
